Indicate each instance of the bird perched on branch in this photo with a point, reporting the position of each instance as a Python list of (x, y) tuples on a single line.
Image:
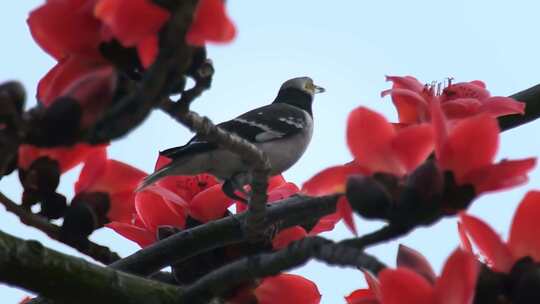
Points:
[(282, 130)]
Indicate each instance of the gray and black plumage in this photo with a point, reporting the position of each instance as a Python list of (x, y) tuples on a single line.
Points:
[(282, 130)]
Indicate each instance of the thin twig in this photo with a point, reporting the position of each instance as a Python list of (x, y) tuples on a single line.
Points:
[(97, 252)]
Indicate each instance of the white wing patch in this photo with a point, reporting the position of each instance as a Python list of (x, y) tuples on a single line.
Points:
[(295, 122), (267, 134)]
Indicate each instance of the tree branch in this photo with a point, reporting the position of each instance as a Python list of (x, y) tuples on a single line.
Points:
[(29, 265), (263, 265), (97, 252), (531, 97), (225, 231)]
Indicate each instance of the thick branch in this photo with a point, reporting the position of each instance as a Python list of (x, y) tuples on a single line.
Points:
[(189, 243), (29, 265), (97, 252), (259, 266), (531, 97)]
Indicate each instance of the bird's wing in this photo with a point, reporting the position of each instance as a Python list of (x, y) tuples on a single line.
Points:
[(268, 123), (263, 124)]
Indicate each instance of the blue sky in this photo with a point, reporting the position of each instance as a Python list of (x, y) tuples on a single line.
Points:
[(347, 47)]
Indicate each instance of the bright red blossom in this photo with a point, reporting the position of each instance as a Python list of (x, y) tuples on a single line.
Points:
[(404, 285), (287, 289), (522, 242), (414, 99), (154, 207), (377, 146), (468, 149), (67, 157), (210, 24), (115, 178)]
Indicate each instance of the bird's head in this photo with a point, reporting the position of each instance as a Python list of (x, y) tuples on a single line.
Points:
[(299, 92), (303, 84)]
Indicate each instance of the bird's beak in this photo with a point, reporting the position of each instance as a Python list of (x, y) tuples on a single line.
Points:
[(317, 89)]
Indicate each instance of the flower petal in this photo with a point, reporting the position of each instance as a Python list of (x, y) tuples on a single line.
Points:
[(471, 144), (331, 180), (94, 166), (404, 286), (282, 192), (464, 239), (412, 259), (210, 24), (413, 145), (287, 236), (154, 211), (346, 213), (525, 229), (465, 90), (361, 296), (68, 70), (500, 106), (458, 279), (136, 234), (488, 243), (65, 27), (131, 21), (326, 223), (210, 204), (121, 207), (67, 157), (287, 289), (369, 136), (506, 174), (411, 106)]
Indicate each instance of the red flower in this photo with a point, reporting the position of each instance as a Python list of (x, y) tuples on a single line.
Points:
[(468, 149), (67, 157), (115, 178), (65, 27), (287, 289), (210, 24), (377, 146), (522, 242), (404, 285), (413, 100), (135, 23), (154, 207)]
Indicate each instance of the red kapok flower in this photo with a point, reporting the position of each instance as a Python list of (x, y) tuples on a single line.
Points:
[(468, 149), (153, 210), (67, 157), (287, 289), (413, 100), (522, 242), (210, 24), (377, 146), (68, 70), (135, 23), (404, 285), (66, 27), (115, 178)]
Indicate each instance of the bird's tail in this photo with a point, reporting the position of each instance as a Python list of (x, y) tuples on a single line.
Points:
[(154, 177)]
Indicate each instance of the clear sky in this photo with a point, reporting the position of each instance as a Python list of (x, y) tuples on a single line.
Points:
[(347, 47)]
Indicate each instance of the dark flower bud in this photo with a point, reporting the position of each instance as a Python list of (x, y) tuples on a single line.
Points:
[(12, 92), (79, 223), (53, 205), (456, 197), (164, 232), (42, 176), (525, 278), (368, 197)]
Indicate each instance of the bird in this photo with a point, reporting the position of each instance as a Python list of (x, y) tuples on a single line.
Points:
[(281, 129)]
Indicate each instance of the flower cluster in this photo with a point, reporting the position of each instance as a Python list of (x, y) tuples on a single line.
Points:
[(458, 125), (414, 281)]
